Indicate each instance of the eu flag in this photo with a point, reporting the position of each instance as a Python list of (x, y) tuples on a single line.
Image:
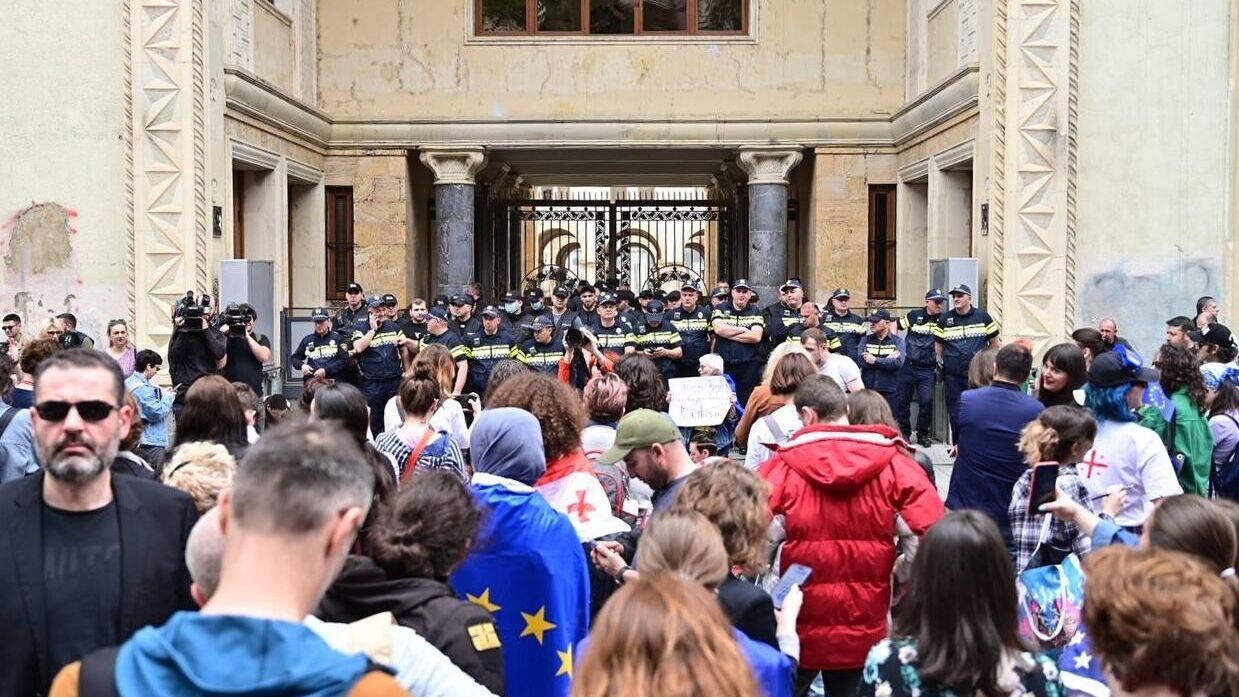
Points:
[(529, 571), (1156, 397)]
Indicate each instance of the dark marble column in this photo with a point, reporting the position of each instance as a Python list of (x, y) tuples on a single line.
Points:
[(452, 234), (767, 168)]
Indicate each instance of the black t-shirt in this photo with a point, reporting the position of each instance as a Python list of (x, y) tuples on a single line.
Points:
[(242, 366), (81, 582)]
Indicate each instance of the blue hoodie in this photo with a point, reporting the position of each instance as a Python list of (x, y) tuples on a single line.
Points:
[(209, 655)]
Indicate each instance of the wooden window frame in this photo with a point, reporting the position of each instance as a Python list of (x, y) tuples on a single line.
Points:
[(888, 245), (692, 10), (335, 286)]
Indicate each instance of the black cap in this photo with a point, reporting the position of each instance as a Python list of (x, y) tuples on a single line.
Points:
[(655, 310), (354, 288), (718, 293), (389, 300), (880, 314), (741, 283), (673, 296), (438, 313), (440, 300), (534, 293), (561, 292), (935, 294), (841, 293), (690, 286), (961, 288), (1119, 367), (491, 311), (608, 299), (320, 314), (374, 302), (790, 284), (461, 300), (540, 322), (1216, 334), (647, 293), (511, 296)]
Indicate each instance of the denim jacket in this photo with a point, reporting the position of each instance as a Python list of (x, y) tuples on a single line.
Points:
[(153, 407)]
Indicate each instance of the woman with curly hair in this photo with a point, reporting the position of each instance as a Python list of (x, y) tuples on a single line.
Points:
[(33, 353), (421, 537), (1186, 432), (646, 389)]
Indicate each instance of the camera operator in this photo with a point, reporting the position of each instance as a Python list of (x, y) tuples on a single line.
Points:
[(71, 337), (196, 348), (247, 352)]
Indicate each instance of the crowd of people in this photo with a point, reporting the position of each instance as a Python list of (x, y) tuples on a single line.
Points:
[(469, 499)]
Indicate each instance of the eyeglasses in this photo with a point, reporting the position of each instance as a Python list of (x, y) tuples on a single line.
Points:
[(54, 332), (9, 327), (92, 411)]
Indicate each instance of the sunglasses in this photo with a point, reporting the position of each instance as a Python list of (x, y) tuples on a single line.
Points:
[(92, 411)]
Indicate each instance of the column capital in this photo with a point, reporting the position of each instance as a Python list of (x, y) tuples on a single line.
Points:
[(454, 164), (768, 164)]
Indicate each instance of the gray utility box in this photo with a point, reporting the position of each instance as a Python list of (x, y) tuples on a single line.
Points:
[(253, 282), (945, 274)]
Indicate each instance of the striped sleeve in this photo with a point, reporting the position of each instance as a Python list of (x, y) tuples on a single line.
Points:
[(518, 354)]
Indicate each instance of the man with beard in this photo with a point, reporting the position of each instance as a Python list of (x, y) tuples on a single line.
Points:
[(90, 556), (587, 305)]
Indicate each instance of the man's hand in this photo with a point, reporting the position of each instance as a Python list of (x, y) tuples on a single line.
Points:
[(894, 354), (868, 358), (306, 369), (374, 322), (1116, 498), (606, 556), (320, 373)]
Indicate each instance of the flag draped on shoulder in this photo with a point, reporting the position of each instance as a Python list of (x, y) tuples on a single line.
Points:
[(572, 488), (528, 570)]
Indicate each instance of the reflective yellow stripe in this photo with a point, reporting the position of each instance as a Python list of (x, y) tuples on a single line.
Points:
[(969, 331)]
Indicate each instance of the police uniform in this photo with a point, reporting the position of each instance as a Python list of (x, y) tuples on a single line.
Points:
[(347, 317), (380, 367), (484, 351), (917, 377), (449, 340), (542, 358), (694, 329), (779, 322), (615, 338), (882, 376), (472, 325), (850, 327), (962, 336), (743, 362), (328, 352), (665, 336)]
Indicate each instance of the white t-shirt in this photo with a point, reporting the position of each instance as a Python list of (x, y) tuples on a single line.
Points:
[(787, 418), (449, 417), (841, 369), (1133, 456)]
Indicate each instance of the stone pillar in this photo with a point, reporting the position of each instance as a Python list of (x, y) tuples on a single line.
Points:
[(455, 170), (767, 168)]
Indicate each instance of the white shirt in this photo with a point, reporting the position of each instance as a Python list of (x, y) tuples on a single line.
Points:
[(787, 418), (449, 417), (1133, 456), (841, 369)]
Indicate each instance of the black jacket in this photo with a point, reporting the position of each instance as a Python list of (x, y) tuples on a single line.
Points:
[(427, 606), (194, 354), (154, 522), (750, 609)]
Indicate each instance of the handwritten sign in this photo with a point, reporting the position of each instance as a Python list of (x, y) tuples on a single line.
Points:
[(699, 401)]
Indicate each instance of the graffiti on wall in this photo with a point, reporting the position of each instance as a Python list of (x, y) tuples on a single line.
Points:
[(1141, 300)]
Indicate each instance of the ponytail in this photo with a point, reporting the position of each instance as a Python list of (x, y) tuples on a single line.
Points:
[(1055, 433)]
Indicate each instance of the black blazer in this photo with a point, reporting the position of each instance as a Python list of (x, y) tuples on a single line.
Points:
[(750, 609), (154, 522)]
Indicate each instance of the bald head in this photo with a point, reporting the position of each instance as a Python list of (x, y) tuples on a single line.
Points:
[(204, 552), (1109, 330)]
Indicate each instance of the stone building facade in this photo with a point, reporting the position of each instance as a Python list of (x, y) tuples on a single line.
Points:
[(1084, 153)]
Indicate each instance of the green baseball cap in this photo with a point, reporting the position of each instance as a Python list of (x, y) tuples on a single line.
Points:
[(639, 429)]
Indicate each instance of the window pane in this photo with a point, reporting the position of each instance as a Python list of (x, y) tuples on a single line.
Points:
[(611, 16), (503, 15), (664, 15), (559, 15), (720, 15)]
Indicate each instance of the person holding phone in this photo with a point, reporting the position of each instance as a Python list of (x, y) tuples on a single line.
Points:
[(1052, 445)]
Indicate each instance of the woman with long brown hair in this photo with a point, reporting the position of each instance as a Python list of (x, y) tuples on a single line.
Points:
[(418, 445), (1186, 429), (214, 414), (772, 393), (450, 415)]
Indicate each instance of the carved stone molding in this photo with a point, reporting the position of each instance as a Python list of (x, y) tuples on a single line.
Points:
[(454, 165), (766, 164)]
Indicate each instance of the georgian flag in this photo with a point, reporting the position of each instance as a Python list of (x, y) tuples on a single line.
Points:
[(578, 495)]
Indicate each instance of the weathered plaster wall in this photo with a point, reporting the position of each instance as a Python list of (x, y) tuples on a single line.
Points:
[(1152, 160), (62, 198), (841, 180), (396, 59)]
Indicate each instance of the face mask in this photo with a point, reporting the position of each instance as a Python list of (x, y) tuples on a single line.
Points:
[(509, 308), (536, 305)]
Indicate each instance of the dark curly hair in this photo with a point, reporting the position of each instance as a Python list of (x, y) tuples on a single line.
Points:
[(35, 352), (557, 407), (646, 389), (427, 529), (1181, 371)]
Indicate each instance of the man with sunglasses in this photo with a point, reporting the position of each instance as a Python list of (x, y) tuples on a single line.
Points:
[(95, 555), (12, 328)]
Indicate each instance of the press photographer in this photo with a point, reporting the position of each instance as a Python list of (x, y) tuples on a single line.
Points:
[(71, 337), (196, 348), (247, 352)]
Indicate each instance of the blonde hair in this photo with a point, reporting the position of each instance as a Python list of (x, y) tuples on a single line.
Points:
[(441, 365), (687, 544), (1055, 432), (777, 356), (201, 469)]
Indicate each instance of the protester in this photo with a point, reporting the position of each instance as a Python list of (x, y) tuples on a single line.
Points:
[(778, 426), (127, 461), (202, 470), (1215, 344), (119, 347), (1090, 342), (605, 397), (869, 408), (711, 365), (1061, 435), (1185, 431), (419, 539), (839, 488), (214, 414), (1109, 330), (738, 330), (957, 630), (652, 448), (154, 405), (68, 598), (1178, 330), (12, 327), (1063, 371), (981, 369), (33, 353), (646, 389), (763, 400), (449, 415), (418, 445), (836, 366), (501, 373), (250, 406), (989, 424), (1222, 396), (1208, 311), (527, 569), (275, 410)]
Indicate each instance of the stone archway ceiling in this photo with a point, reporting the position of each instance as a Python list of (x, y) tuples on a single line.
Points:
[(615, 166)]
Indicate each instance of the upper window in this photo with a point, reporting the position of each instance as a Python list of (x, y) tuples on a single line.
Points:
[(611, 17)]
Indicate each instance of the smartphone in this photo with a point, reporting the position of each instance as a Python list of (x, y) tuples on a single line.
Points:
[(1044, 481), (464, 399), (795, 575)]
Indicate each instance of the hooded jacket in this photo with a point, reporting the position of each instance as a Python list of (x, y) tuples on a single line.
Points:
[(425, 605), (839, 489)]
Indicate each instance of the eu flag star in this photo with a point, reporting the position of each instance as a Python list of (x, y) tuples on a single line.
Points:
[(483, 600), (536, 624), (565, 662)]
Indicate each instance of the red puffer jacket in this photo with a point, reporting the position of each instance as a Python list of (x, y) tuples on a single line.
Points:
[(839, 488)]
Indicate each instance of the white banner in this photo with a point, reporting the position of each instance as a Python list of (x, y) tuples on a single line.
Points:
[(699, 401)]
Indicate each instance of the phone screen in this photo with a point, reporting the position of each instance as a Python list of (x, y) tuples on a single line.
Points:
[(1044, 479), (795, 575)]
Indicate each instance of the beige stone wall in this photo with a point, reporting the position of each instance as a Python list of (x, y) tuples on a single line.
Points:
[(942, 50), (274, 47), (841, 179), (381, 214), (406, 60)]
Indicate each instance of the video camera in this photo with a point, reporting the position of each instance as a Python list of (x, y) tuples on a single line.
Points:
[(578, 335), (191, 313), (70, 340), (236, 318)]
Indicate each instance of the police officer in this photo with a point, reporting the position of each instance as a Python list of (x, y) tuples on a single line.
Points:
[(534, 306), (376, 345), (559, 313), (881, 356), (962, 333), (839, 319), (354, 311), (917, 377), (659, 340), (738, 330), (614, 335), (439, 331), (692, 321), (718, 296), (781, 316), (323, 353), (463, 321), (543, 350), (486, 348)]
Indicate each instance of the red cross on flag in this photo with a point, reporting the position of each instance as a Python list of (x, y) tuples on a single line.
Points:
[(578, 495)]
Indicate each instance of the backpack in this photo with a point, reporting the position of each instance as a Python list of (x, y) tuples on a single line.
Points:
[(1225, 477)]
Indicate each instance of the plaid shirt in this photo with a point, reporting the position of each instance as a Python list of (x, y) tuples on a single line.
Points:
[(441, 453), (1026, 525)]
